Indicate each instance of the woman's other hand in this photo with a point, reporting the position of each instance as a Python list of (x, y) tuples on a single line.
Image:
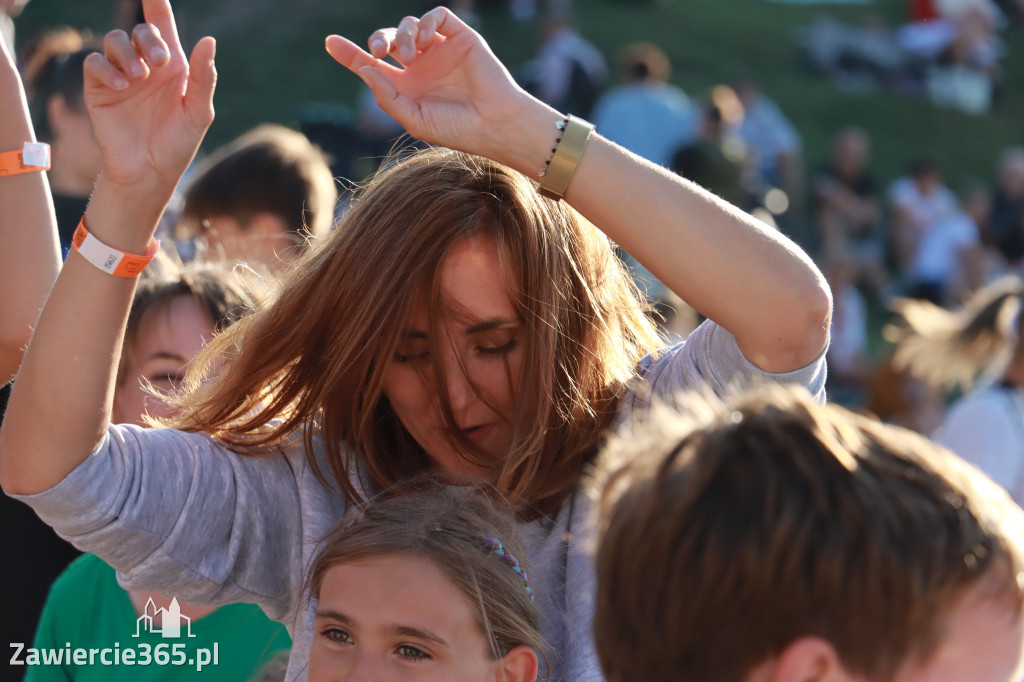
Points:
[(449, 89), (149, 105)]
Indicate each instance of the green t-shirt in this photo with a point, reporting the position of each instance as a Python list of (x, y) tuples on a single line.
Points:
[(88, 615)]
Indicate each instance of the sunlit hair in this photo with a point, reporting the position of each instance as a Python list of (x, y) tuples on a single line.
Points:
[(730, 531), (222, 294), (315, 360), (950, 348), (448, 526)]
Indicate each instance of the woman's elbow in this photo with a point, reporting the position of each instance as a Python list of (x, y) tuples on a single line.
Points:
[(810, 324), (800, 334)]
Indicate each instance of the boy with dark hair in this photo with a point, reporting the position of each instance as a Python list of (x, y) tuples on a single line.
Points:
[(778, 540), (260, 198)]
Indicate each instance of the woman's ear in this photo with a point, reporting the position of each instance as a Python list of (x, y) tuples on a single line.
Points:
[(519, 665), (809, 659)]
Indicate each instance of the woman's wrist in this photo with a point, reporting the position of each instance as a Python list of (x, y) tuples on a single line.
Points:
[(525, 142), (125, 217)]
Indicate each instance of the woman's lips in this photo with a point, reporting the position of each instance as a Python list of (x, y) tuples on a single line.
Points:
[(472, 434)]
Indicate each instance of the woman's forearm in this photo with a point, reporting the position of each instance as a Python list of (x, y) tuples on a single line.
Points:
[(60, 406), (731, 267), (29, 251)]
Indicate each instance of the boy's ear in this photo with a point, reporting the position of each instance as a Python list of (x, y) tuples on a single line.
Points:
[(519, 665), (57, 111), (809, 659)]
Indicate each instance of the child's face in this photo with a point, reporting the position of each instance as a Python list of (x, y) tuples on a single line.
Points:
[(480, 354), (168, 337), (396, 618)]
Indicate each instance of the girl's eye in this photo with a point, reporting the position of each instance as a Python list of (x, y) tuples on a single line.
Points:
[(503, 349), (336, 636), (412, 653)]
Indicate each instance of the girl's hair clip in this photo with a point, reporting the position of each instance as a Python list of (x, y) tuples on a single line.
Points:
[(494, 545)]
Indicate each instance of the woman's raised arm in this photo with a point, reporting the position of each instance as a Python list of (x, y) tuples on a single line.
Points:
[(29, 254), (452, 91), (150, 107)]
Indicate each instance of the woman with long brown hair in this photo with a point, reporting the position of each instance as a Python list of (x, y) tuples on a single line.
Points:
[(458, 321)]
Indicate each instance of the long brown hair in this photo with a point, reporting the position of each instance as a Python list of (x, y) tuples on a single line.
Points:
[(459, 531), (314, 360), (950, 348)]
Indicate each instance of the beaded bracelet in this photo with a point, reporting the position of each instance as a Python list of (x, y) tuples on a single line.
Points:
[(571, 140)]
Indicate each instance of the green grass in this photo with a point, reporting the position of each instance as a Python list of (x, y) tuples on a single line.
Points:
[(272, 64)]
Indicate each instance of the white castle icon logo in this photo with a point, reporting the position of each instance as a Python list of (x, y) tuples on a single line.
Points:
[(170, 624)]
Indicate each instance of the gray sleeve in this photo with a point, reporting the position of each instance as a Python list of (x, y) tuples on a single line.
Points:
[(711, 358), (178, 513)]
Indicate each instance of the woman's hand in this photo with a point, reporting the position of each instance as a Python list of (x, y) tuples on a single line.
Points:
[(450, 90), (149, 105)]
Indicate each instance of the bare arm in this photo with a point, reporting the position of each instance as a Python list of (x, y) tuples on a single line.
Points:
[(748, 278), (29, 254), (148, 123)]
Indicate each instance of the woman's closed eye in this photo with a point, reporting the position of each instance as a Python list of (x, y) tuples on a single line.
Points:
[(411, 357), (499, 348), (166, 379)]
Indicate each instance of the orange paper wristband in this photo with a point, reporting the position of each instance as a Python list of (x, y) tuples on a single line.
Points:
[(108, 259), (33, 156)]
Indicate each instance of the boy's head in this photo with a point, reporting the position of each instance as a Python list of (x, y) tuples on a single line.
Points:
[(260, 197), (778, 539)]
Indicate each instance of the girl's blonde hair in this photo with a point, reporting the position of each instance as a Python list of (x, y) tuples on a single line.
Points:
[(950, 348), (458, 529), (314, 360)]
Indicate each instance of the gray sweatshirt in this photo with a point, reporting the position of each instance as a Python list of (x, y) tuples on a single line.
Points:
[(178, 513)]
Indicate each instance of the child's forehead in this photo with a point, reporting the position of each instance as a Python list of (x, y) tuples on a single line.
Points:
[(401, 589)]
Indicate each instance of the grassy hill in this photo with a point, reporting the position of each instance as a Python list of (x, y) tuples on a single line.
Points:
[(272, 64)]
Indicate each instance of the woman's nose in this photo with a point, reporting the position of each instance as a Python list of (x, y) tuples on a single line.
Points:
[(460, 389)]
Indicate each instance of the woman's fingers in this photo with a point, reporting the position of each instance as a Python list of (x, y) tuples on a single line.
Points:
[(119, 51), (202, 81), (159, 14), (448, 23), (428, 27), (149, 44), (97, 70), (352, 57), (381, 41), (405, 39)]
